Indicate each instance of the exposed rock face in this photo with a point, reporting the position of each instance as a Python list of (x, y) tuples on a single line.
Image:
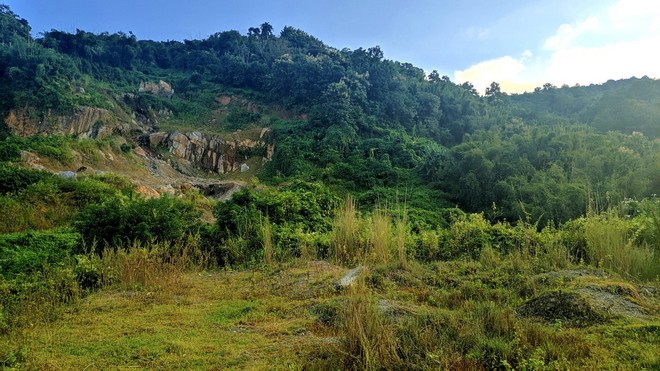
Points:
[(212, 153), (162, 88), (86, 122)]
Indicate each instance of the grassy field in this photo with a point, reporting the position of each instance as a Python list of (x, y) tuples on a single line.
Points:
[(458, 315)]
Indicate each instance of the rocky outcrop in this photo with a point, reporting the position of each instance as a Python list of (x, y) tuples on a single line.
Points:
[(213, 153), (85, 122), (162, 88)]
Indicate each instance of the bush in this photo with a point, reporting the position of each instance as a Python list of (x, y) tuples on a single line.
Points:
[(24, 253), (14, 178), (119, 222), (9, 151), (299, 213)]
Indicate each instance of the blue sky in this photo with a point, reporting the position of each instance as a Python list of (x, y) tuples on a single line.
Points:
[(520, 44)]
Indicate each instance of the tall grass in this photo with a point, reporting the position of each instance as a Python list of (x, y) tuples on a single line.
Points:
[(609, 245), (381, 241), (345, 233), (267, 240), (151, 266), (401, 234), (369, 337)]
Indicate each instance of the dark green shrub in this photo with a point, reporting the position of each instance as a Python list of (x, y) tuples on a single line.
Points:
[(295, 211), (125, 147), (118, 221), (14, 178), (573, 236), (9, 151)]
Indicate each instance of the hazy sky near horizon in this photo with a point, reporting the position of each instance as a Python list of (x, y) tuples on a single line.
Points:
[(520, 44)]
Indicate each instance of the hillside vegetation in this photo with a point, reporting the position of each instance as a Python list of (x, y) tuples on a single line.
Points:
[(490, 231)]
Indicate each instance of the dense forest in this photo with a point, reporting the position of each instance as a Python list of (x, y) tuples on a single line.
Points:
[(375, 127), (447, 171)]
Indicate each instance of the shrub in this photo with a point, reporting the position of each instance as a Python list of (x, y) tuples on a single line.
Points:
[(14, 178), (25, 253), (116, 221), (9, 151), (468, 234)]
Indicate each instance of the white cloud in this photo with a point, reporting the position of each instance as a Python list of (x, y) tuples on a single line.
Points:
[(505, 71), (620, 42), (567, 34)]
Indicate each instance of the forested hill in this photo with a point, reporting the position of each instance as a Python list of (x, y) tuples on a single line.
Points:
[(356, 121), (624, 105)]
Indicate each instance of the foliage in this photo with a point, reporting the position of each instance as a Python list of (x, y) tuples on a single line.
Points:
[(14, 178), (363, 124), (118, 221), (295, 212), (26, 253)]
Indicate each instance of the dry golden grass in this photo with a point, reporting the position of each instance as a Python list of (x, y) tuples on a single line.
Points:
[(345, 233), (369, 336)]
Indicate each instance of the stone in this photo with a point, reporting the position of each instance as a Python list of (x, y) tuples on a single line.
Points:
[(157, 139), (85, 122), (210, 153), (223, 100), (66, 174), (148, 192), (139, 151), (349, 278)]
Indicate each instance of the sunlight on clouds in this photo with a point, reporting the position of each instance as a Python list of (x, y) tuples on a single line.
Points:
[(505, 70), (620, 42)]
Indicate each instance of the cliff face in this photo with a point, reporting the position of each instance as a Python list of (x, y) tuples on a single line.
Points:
[(162, 88), (212, 153), (86, 122)]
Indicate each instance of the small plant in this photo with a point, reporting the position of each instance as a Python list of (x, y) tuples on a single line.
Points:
[(267, 238)]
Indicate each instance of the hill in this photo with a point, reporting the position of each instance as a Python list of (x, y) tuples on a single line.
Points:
[(262, 199)]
